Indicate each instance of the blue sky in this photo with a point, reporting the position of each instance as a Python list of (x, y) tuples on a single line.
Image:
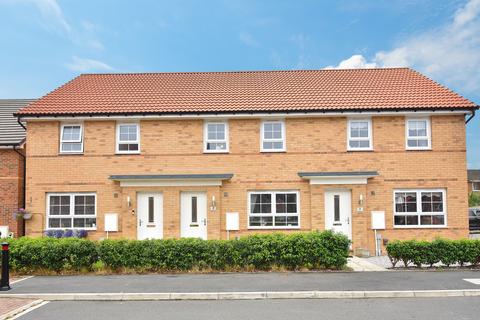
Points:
[(47, 42)]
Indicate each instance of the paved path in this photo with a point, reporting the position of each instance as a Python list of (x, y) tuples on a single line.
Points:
[(399, 309), (7, 305), (250, 282)]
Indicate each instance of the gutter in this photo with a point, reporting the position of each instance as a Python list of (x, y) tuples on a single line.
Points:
[(243, 114), (21, 124), (471, 116)]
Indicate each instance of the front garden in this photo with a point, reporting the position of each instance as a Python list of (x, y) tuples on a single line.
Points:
[(298, 251)]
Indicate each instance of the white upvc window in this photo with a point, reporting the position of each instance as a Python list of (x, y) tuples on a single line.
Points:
[(359, 134), (419, 208), (476, 186), (418, 134), (72, 211), (272, 136), (273, 210), (215, 137), (128, 138), (71, 138)]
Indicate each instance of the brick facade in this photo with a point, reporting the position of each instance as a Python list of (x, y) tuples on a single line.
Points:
[(11, 189), (313, 144)]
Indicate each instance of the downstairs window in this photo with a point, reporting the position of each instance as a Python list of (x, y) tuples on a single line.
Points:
[(419, 208), (72, 211), (273, 210)]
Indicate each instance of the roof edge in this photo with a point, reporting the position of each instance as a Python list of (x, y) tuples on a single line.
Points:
[(143, 113)]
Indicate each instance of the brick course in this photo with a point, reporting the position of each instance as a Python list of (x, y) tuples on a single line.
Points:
[(11, 189), (313, 144)]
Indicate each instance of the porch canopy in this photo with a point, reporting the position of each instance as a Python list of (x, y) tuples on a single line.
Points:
[(349, 177), (171, 180)]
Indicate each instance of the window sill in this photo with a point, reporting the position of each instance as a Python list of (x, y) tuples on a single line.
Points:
[(70, 153), (418, 149), (360, 150), (273, 151), (86, 229), (420, 227), (127, 153), (274, 228), (216, 152)]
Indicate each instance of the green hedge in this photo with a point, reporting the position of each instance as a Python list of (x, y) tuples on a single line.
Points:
[(443, 251), (315, 250)]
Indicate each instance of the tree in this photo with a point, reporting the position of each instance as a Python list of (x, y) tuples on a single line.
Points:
[(474, 199)]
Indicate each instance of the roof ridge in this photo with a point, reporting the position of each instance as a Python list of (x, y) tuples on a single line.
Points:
[(244, 71)]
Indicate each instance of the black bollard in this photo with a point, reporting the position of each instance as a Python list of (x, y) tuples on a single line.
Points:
[(5, 281)]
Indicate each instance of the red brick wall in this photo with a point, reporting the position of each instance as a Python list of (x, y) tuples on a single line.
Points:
[(11, 189)]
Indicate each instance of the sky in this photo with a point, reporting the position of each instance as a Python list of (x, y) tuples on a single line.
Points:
[(45, 43)]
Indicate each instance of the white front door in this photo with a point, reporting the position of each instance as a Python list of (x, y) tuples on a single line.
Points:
[(149, 216), (193, 212), (338, 211)]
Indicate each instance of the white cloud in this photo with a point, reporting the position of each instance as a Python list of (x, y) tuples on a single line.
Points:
[(356, 61), (52, 14), (248, 39), (300, 41), (449, 53), (88, 65)]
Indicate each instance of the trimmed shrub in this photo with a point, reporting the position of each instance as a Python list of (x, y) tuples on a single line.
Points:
[(447, 252), (50, 254), (315, 250)]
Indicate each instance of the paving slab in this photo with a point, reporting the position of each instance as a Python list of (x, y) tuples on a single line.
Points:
[(250, 282)]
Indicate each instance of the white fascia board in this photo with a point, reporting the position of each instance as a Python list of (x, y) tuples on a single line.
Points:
[(170, 183), (245, 115), (338, 179)]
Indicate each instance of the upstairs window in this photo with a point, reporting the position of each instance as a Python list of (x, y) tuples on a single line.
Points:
[(273, 136), (128, 138), (71, 138), (418, 134), (216, 137), (360, 134)]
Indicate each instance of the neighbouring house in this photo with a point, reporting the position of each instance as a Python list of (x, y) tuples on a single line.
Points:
[(12, 161), (474, 181), (168, 155)]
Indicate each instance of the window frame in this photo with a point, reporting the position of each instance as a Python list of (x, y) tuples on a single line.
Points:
[(419, 213), (80, 140), (428, 129), (206, 140), (283, 140), (72, 210), (273, 194), (118, 142), (369, 138)]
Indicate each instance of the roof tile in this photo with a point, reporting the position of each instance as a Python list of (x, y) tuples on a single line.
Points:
[(247, 91)]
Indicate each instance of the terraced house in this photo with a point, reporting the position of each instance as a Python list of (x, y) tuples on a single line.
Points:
[(162, 155)]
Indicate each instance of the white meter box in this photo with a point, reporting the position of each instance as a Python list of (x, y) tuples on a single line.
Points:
[(378, 220), (233, 223), (111, 222)]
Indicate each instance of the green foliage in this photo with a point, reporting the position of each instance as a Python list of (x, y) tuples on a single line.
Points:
[(447, 252), (67, 254), (315, 250), (474, 199)]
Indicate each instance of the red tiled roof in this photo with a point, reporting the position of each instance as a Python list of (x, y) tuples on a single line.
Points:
[(255, 91)]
